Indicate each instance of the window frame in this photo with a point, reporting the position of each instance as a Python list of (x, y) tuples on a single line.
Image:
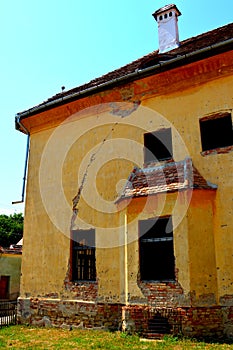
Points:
[(83, 256)]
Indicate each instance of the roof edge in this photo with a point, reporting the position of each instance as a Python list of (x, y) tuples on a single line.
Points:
[(137, 74)]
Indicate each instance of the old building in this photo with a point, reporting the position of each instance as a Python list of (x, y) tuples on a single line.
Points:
[(10, 270), (129, 194)]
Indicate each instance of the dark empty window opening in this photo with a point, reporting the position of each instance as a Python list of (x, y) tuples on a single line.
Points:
[(165, 16), (161, 17), (216, 131), (157, 262), (170, 14), (83, 255), (158, 145)]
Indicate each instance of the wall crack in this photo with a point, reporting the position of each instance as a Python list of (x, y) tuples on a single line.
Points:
[(77, 198)]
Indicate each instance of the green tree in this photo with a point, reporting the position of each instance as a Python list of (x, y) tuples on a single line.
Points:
[(11, 229)]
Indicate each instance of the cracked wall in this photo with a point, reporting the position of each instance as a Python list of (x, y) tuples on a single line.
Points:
[(186, 100)]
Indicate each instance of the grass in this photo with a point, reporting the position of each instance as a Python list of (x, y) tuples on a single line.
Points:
[(26, 337)]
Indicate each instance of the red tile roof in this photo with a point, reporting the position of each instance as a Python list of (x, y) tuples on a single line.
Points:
[(169, 177), (187, 47)]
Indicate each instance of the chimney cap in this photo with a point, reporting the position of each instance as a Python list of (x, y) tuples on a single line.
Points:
[(166, 8)]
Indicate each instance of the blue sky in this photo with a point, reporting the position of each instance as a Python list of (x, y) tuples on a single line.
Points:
[(46, 44)]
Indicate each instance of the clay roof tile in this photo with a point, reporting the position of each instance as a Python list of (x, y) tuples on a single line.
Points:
[(168, 177), (154, 58)]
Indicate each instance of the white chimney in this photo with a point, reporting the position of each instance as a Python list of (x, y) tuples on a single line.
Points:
[(167, 19)]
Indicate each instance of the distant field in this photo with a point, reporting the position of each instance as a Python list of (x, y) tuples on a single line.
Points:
[(23, 337)]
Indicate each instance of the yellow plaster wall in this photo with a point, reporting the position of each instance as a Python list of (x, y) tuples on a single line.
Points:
[(187, 108), (202, 260), (86, 145), (45, 252)]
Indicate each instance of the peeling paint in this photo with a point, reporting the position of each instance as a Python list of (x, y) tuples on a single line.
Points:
[(124, 109)]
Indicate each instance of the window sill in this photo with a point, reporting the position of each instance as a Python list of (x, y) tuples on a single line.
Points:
[(220, 150)]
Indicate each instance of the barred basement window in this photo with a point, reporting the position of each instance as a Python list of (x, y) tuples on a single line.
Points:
[(158, 145), (216, 131), (157, 262), (83, 255)]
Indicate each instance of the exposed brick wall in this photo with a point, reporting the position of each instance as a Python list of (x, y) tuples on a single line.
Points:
[(83, 290), (66, 313), (163, 294), (139, 316), (216, 321), (203, 322), (200, 322), (226, 300)]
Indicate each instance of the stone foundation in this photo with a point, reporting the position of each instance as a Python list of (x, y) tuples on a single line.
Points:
[(199, 322), (69, 313)]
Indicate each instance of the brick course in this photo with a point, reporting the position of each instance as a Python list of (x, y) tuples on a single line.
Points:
[(162, 294), (71, 313), (165, 300), (216, 321), (200, 322), (85, 291)]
